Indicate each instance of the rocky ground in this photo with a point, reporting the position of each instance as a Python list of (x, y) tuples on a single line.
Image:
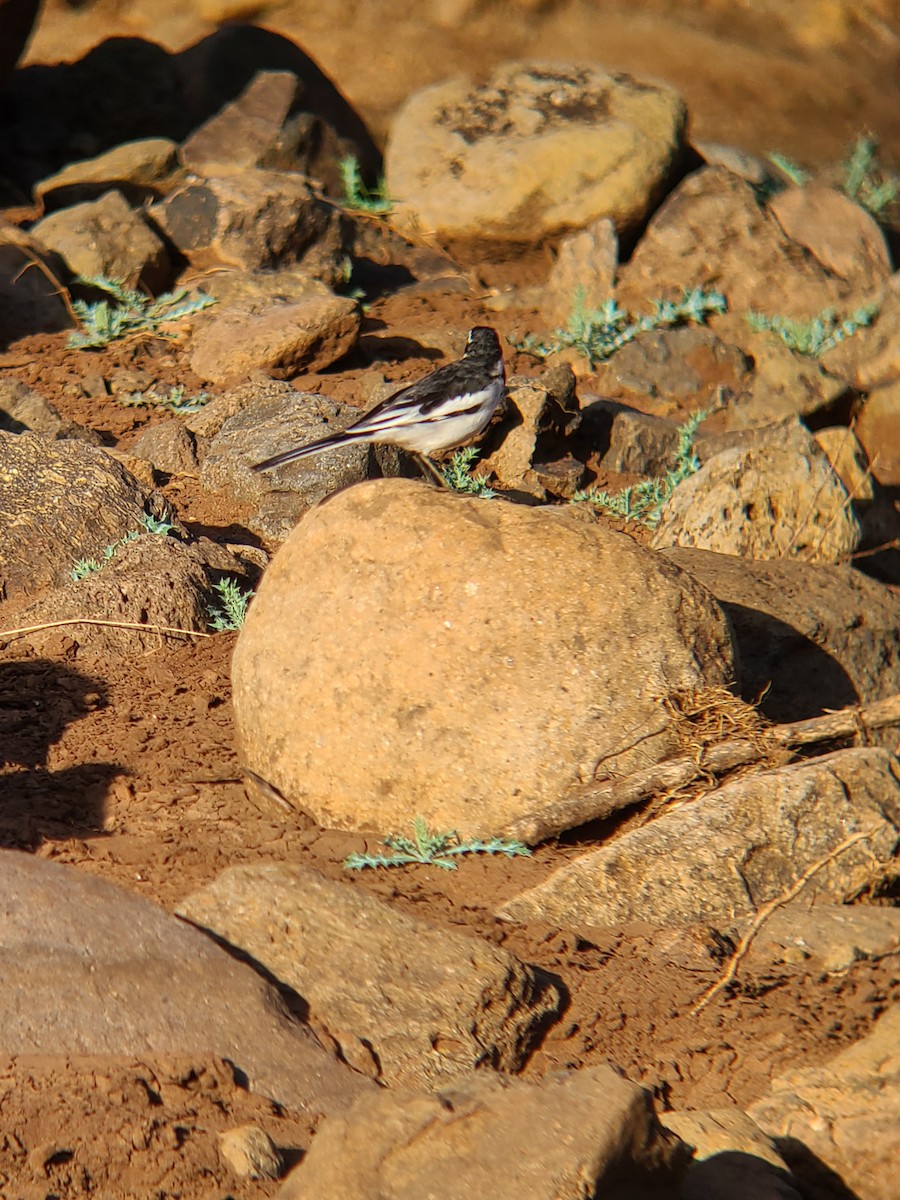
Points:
[(622, 663)]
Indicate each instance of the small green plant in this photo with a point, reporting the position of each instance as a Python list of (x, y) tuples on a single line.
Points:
[(149, 524), (432, 849), (129, 312), (458, 475), (599, 333), (795, 173), (643, 501), (173, 400), (357, 196), (231, 612), (863, 179), (818, 335)]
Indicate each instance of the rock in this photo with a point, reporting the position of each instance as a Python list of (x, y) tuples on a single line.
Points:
[(265, 126), (567, 631), (88, 968), (729, 851), (768, 502), (29, 301), (584, 271), (250, 1153), (627, 440), (842, 1119), (810, 637), (256, 220), (231, 286), (426, 1005), (151, 580), (835, 935), (848, 461), (666, 371), (712, 232), (878, 429), (732, 1157), (137, 170), (59, 501), (839, 233), (281, 339), (871, 357), (531, 152), (576, 1134), (169, 446), (104, 237), (252, 434), (536, 418), (782, 385), (746, 166), (23, 410)]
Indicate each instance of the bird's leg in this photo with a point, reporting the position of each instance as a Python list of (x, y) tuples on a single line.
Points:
[(429, 470)]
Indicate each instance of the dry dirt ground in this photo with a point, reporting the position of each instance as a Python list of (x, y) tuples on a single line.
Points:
[(129, 770)]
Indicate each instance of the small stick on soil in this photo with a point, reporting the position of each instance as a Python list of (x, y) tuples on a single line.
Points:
[(598, 801), (26, 629), (765, 911)]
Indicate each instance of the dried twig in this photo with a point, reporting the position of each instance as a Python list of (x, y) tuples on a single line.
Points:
[(26, 629), (765, 911), (597, 801)]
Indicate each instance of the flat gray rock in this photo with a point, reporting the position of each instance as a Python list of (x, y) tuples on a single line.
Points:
[(87, 968)]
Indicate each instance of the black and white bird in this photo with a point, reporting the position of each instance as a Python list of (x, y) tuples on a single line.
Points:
[(448, 408)]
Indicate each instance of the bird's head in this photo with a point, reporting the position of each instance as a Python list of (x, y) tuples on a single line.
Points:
[(483, 344)]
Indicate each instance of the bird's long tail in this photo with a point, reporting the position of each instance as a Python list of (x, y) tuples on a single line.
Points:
[(326, 443)]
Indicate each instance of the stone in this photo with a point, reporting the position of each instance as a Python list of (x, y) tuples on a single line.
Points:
[(533, 151), (627, 440), (810, 637), (284, 418), (280, 339), (535, 416), (878, 429), (138, 170), (729, 851), (732, 1157), (839, 233), (169, 446), (750, 167), (256, 220), (575, 1134), (712, 232), (427, 1005), (848, 461), (29, 301), (584, 271), (262, 127), (251, 1153), (568, 631), (665, 371), (23, 410), (88, 968), (871, 357), (104, 237), (782, 385), (60, 501), (842, 1118), (834, 935), (151, 580), (778, 501)]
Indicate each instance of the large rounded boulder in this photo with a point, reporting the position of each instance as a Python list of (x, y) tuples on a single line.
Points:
[(417, 653)]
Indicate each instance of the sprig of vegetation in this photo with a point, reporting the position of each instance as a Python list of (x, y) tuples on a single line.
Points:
[(796, 174), (643, 501), (817, 335), (458, 475), (150, 524), (172, 401), (357, 196), (863, 179), (432, 849), (231, 613), (129, 312), (599, 333)]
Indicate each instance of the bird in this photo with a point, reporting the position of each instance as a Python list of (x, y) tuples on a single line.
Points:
[(448, 408)]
